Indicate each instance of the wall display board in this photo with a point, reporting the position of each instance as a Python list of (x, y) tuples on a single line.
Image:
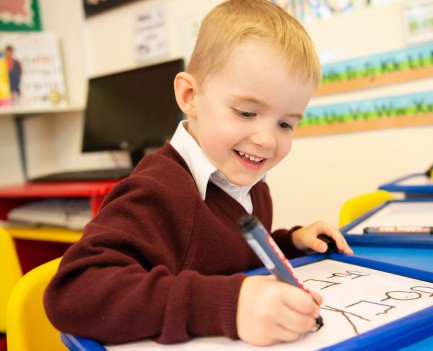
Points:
[(418, 20), (404, 110), (394, 67), (310, 11), (151, 34), (370, 60), (19, 15), (389, 68), (36, 77)]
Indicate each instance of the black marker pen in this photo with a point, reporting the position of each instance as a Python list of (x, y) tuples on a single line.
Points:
[(271, 255)]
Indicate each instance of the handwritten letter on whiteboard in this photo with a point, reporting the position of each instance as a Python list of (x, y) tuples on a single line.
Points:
[(357, 299)]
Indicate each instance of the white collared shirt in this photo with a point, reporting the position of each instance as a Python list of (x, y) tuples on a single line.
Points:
[(204, 171)]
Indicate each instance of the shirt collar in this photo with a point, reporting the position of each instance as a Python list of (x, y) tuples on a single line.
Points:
[(239, 193), (201, 168), (220, 179)]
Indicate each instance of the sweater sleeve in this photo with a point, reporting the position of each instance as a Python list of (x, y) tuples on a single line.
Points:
[(131, 276), (283, 238), (114, 300)]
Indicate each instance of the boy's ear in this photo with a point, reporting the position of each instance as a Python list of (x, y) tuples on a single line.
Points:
[(185, 88)]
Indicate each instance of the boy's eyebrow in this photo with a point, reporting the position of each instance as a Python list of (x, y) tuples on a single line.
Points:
[(250, 99), (263, 103)]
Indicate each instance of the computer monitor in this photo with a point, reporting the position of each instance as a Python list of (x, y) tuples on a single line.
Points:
[(132, 110)]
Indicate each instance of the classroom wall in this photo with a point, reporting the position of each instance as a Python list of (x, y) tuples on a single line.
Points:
[(320, 173), (323, 171)]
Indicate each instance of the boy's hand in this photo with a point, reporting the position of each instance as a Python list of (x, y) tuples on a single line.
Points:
[(270, 311), (306, 238)]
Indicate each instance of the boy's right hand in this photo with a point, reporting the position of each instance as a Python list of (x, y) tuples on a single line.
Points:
[(270, 311)]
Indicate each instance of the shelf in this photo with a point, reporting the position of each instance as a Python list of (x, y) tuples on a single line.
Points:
[(58, 189), (51, 234), (39, 244), (33, 110), (20, 194)]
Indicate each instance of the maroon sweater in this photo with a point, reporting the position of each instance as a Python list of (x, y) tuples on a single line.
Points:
[(157, 261)]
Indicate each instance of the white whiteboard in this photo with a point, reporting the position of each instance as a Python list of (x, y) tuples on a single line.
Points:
[(398, 214), (356, 299), (418, 180)]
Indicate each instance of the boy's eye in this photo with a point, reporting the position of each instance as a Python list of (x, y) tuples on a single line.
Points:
[(285, 125), (244, 114)]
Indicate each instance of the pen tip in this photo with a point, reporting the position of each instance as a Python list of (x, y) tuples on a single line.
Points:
[(319, 323)]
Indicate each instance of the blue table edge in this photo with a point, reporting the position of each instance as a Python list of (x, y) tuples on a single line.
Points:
[(76, 343), (420, 241), (392, 336), (394, 185)]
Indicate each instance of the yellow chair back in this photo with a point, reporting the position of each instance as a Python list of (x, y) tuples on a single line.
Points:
[(358, 205), (10, 273), (28, 327)]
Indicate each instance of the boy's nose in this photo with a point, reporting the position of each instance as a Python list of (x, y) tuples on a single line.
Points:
[(265, 137)]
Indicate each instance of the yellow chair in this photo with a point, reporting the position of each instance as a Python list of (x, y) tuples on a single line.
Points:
[(28, 327), (358, 205), (10, 273)]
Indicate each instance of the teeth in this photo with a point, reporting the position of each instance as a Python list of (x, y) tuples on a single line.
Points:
[(251, 158)]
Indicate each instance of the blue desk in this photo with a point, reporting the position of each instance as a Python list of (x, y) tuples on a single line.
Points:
[(407, 213), (420, 258), (415, 258), (417, 184)]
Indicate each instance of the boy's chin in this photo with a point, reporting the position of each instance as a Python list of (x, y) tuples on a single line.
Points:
[(242, 181)]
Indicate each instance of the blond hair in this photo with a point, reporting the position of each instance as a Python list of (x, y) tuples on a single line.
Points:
[(235, 21)]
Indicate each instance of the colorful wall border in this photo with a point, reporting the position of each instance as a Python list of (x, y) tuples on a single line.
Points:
[(373, 71), (396, 111)]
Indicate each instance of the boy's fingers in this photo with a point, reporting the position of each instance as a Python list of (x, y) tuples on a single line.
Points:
[(335, 235)]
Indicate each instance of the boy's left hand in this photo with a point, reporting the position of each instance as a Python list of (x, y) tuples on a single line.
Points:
[(306, 238)]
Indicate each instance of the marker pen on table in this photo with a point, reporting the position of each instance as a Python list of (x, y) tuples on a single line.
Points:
[(270, 254), (399, 229)]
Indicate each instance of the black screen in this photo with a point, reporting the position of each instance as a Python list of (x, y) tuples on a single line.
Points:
[(132, 110)]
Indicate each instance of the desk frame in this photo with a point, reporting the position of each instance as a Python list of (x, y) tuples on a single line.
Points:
[(419, 241), (391, 336), (410, 190)]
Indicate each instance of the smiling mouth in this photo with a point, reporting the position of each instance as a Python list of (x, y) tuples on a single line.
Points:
[(250, 157)]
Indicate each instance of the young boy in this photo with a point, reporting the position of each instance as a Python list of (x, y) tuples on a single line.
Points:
[(164, 257)]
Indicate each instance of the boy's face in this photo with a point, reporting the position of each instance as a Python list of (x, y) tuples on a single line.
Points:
[(246, 113)]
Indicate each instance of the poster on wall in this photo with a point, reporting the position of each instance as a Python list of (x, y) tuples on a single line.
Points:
[(150, 34), (385, 112), (5, 90), (386, 68), (31, 70), (93, 7), (418, 21), (318, 10), (19, 15)]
